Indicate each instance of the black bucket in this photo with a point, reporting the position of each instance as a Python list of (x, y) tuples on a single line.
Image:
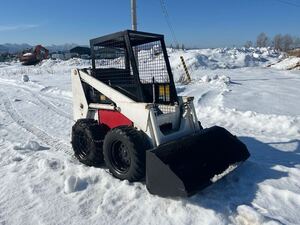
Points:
[(185, 166)]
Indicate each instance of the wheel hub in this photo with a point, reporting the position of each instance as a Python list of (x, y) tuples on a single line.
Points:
[(120, 157)]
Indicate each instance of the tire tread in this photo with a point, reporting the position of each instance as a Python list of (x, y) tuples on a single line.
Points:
[(139, 145)]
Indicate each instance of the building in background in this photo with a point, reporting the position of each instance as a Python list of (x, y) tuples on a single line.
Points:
[(82, 52)]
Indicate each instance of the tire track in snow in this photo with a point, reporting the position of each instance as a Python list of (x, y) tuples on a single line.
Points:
[(52, 107), (41, 99), (55, 143)]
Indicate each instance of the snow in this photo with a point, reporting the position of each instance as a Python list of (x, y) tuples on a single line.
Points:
[(288, 64), (247, 91), (223, 58), (73, 184), (28, 54), (31, 145)]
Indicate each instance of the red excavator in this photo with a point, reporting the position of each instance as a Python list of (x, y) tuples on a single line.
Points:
[(34, 56)]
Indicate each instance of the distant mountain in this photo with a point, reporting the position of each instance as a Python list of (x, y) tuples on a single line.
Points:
[(61, 48), (15, 48), (3, 49)]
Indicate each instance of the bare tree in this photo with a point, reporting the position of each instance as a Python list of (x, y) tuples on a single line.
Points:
[(287, 42), (297, 42), (277, 40), (248, 44), (262, 40)]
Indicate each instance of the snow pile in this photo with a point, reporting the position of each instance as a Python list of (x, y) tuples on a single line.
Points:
[(248, 216), (223, 58), (199, 59), (30, 145), (288, 64), (48, 66), (217, 79)]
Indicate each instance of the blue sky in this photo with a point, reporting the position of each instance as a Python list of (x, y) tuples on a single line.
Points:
[(197, 23)]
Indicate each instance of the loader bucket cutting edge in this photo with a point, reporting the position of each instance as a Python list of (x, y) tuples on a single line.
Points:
[(187, 165)]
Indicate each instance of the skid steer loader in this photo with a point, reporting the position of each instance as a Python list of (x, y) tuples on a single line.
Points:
[(128, 115)]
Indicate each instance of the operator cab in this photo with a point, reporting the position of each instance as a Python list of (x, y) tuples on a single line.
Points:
[(134, 63)]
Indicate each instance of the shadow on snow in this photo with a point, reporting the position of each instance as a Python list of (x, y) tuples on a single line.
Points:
[(240, 187)]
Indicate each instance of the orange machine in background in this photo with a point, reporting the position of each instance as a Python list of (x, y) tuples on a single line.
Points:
[(34, 56)]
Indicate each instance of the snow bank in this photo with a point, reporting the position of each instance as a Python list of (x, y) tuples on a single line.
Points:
[(221, 58), (289, 63), (48, 66), (246, 215), (217, 79), (252, 122), (199, 59)]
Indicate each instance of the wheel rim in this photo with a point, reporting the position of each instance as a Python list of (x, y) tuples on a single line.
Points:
[(82, 150), (120, 157)]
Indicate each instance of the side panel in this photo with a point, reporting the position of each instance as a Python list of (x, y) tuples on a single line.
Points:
[(135, 111), (113, 118), (80, 105)]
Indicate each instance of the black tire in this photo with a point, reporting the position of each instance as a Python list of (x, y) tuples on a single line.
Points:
[(87, 141), (124, 153)]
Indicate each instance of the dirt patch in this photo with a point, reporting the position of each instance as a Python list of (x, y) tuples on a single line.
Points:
[(295, 52)]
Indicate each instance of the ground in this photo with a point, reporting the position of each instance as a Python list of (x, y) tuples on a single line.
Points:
[(42, 183)]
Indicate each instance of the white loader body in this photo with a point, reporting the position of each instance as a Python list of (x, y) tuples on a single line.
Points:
[(147, 117)]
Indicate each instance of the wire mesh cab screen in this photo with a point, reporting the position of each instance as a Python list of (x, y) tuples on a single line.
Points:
[(109, 55), (136, 64), (151, 63), (152, 68), (112, 64)]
